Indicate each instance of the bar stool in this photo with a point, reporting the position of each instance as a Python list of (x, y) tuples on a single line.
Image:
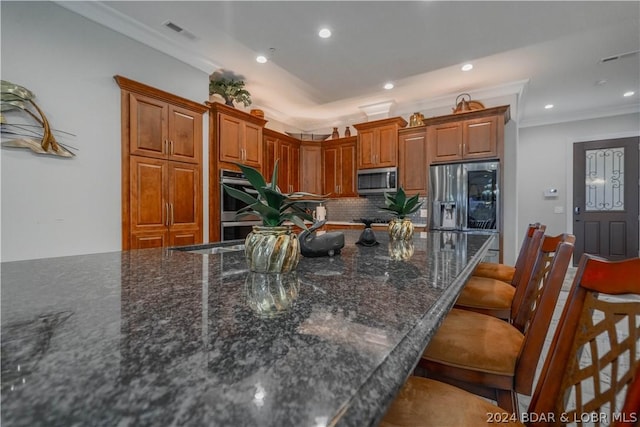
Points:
[(493, 358), (591, 320), (504, 272), (495, 297)]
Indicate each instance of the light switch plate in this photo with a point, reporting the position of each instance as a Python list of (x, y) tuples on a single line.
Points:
[(423, 213), (558, 209)]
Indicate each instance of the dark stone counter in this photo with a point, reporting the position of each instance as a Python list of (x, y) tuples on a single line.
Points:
[(162, 337)]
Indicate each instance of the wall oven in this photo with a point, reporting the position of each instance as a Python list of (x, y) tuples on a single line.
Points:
[(232, 228)]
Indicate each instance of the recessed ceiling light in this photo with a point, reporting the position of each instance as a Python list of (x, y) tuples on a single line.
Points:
[(325, 33), (261, 59), (630, 93), (388, 85), (467, 67), (548, 106)]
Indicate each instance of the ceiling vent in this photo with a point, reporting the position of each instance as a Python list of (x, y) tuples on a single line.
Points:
[(178, 29), (619, 56)]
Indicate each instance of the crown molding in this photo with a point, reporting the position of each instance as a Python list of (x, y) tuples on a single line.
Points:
[(576, 116), (106, 16)]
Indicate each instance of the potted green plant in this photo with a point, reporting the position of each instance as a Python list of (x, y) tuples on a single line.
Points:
[(400, 205), (230, 87), (271, 247)]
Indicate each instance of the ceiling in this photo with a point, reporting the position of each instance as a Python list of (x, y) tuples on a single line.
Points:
[(536, 52)]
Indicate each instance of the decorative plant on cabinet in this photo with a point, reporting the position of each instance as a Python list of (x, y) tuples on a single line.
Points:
[(230, 87)]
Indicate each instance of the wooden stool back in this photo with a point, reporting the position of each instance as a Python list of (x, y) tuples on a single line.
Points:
[(594, 353)]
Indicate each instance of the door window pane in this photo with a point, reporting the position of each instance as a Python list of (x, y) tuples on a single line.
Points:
[(604, 180)]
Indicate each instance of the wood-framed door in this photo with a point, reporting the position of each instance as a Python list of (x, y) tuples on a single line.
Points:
[(606, 192)]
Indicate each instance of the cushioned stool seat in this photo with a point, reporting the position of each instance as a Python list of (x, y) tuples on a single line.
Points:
[(495, 271), (492, 358), (425, 402), (459, 343), (590, 320), (488, 294)]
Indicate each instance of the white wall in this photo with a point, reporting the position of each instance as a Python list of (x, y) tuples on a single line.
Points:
[(545, 160), (52, 206)]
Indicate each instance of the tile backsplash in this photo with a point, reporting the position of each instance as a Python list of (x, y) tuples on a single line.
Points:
[(348, 209)]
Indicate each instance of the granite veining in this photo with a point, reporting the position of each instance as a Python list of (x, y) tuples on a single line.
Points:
[(166, 337)]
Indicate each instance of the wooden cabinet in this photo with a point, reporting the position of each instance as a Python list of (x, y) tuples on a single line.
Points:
[(339, 167), (378, 143), (286, 150), (162, 130), (311, 168), (413, 163), (236, 136), (467, 136), (164, 211), (161, 167), (290, 171)]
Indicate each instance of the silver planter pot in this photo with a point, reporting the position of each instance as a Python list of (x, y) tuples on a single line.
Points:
[(400, 229), (401, 250), (272, 249), (271, 294)]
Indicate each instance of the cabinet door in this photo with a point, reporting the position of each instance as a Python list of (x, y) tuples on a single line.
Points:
[(348, 170), (480, 138), (185, 135), (184, 196), (412, 165), (367, 149), (149, 212), (230, 134), (330, 170), (270, 155), (386, 155), (446, 141), (311, 169), (148, 126), (252, 145), (294, 168), (284, 163)]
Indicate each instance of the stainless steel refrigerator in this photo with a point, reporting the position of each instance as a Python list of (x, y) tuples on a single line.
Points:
[(465, 196)]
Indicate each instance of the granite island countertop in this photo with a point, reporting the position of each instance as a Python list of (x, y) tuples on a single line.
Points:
[(164, 337)]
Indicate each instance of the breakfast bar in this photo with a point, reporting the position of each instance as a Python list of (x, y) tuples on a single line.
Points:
[(189, 337)]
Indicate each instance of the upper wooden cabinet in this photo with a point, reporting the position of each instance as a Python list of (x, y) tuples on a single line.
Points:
[(162, 130), (286, 150), (311, 167), (378, 142), (413, 162), (467, 136), (236, 136), (161, 167), (339, 167)]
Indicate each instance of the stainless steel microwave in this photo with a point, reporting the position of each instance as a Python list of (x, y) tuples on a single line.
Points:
[(372, 181)]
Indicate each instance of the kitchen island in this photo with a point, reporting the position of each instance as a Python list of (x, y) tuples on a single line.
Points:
[(171, 337)]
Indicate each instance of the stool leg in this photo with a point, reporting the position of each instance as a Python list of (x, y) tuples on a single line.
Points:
[(508, 400)]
